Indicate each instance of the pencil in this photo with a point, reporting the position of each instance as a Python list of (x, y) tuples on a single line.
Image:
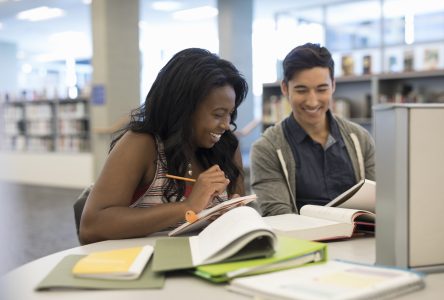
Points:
[(180, 178)]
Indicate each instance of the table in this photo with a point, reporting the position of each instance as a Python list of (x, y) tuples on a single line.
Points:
[(19, 284)]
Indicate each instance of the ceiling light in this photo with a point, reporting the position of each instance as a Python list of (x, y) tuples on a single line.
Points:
[(198, 13), (166, 5), (40, 13)]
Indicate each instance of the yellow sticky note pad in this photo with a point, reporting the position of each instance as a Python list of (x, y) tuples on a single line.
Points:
[(125, 263)]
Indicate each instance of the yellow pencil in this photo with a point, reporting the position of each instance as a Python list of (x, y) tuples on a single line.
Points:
[(180, 178)]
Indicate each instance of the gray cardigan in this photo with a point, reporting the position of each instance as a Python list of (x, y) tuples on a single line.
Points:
[(273, 167)]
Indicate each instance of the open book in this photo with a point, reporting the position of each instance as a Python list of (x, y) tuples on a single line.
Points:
[(206, 216), (124, 264), (319, 223), (238, 234), (333, 280), (360, 196)]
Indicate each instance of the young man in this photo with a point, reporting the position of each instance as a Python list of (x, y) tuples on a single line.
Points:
[(311, 156)]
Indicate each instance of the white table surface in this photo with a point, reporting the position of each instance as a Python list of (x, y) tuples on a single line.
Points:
[(19, 284)]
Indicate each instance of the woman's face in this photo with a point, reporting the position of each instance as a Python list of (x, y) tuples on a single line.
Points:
[(212, 117)]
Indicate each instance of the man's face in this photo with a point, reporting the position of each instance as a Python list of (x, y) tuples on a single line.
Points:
[(309, 93)]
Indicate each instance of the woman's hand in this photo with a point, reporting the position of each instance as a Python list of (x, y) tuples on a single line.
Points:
[(209, 184)]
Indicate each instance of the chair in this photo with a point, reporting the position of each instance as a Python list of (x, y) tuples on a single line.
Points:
[(79, 205)]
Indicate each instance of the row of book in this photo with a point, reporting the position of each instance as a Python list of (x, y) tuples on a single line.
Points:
[(36, 144), (404, 62)]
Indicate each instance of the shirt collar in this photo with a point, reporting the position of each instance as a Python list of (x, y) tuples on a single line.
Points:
[(296, 130), (333, 125), (300, 135)]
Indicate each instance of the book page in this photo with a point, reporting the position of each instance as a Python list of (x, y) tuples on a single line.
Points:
[(227, 204), (224, 230), (289, 222), (206, 216), (309, 228), (336, 214), (360, 196), (364, 198)]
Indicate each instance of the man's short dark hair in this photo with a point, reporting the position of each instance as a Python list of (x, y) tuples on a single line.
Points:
[(305, 57)]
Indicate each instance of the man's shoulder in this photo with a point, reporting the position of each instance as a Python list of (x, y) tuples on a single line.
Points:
[(350, 126), (272, 135)]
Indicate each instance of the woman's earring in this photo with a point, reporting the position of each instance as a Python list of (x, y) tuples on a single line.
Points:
[(190, 170)]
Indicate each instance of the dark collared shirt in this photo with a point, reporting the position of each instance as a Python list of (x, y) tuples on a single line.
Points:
[(321, 173)]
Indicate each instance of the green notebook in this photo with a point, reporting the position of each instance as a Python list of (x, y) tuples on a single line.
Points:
[(290, 253), (61, 277)]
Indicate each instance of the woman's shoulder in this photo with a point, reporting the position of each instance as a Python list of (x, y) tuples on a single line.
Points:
[(138, 143)]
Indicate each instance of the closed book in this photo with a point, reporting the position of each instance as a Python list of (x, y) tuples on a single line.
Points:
[(123, 264), (290, 253), (332, 280)]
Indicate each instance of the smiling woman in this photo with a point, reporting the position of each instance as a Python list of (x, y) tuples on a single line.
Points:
[(183, 128)]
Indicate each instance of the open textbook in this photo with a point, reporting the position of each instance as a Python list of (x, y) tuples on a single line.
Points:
[(360, 196), (206, 216), (238, 234), (333, 280), (320, 223)]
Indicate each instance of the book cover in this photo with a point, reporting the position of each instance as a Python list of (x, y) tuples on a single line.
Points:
[(249, 237), (121, 264), (61, 277), (330, 280), (290, 253)]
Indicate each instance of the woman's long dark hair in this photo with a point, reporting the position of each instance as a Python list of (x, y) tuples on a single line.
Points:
[(181, 85)]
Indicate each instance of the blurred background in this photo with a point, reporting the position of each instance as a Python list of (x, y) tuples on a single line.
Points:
[(70, 70)]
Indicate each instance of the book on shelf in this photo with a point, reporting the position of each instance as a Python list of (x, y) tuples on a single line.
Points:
[(331, 280), (360, 196), (275, 109), (122, 264), (290, 253), (431, 58), (408, 61), (347, 65), (206, 216), (248, 237), (321, 223), (367, 64), (393, 64)]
